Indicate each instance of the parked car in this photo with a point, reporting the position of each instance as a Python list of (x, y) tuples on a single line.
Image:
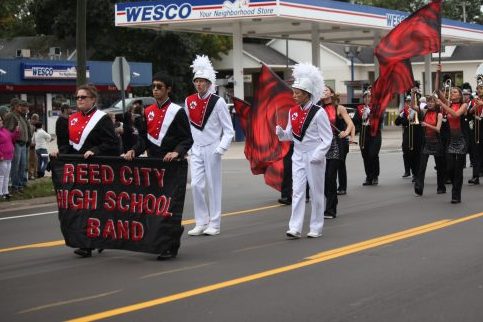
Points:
[(116, 108)]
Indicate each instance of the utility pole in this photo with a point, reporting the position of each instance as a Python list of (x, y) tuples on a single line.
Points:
[(464, 10), (81, 42)]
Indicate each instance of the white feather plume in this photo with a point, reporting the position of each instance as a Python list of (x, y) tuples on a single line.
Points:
[(202, 66), (314, 75), (479, 70), (479, 75)]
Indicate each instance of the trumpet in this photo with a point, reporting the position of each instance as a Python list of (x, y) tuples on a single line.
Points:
[(448, 84), (477, 119)]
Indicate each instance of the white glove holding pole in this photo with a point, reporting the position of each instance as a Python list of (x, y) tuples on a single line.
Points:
[(279, 131)]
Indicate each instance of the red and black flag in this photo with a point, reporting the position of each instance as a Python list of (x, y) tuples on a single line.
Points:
[(417, 35), (272, 102)]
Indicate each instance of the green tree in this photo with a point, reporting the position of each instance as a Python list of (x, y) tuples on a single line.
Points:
[(15, 19), (170, 52)]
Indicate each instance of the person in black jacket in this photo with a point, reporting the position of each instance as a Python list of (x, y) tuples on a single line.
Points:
[(165, 133), (61, 126), (89, 132)]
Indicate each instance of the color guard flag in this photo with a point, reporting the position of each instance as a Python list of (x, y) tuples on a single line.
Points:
[(417, 35), (272, 102)]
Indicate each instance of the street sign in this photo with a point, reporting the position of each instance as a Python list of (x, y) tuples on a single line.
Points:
[(121, 73)]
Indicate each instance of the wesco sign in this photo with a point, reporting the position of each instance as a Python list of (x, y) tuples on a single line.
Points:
[(142, 12), (50, 71)]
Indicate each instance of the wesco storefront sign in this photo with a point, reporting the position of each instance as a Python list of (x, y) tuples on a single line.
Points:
[(45, 71)]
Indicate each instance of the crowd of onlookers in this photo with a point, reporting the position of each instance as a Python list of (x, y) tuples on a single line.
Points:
[(24, 143), (23, 148)]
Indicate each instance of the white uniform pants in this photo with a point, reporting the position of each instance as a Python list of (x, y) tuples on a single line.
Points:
[(4, 176), (206, 180), (303, 171)]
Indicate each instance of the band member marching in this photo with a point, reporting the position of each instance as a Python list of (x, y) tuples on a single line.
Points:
[(165, 133), (309, 128), (212, 131), (432, 146), (476, 139), (90, 133), (338, 119), (411, 142), (456, 149), (369, 145)]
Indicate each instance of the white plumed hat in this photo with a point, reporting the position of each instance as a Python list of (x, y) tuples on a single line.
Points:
[(202, 68), (309, 78), (479, 76)]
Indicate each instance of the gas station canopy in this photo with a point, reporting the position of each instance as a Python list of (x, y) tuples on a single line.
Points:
[(337, 22), (313, 20)]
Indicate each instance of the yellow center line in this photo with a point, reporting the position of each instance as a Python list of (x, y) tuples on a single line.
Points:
[(318, 258), (61, 242)]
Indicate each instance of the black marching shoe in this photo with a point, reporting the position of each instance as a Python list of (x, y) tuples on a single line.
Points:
[(167, 254), (368, 182), (83, 252), (418, 192), (441, 191), (474, 180), (455, 200), (285, 201), (341, 192), (406, 174)]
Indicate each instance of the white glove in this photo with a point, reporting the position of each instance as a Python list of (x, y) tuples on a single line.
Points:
[(219, 150), (279, 130)]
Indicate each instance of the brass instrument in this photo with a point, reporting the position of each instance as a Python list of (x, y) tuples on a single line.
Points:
[(477, 120), (447, 89), (362, 135), (412, 122), (478, 102)]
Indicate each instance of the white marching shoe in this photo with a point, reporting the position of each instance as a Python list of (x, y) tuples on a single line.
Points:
[(197, 231), (313, 235), (211, 231), (292, 234)]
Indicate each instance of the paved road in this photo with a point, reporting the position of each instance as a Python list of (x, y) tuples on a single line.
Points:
[(388, 256)]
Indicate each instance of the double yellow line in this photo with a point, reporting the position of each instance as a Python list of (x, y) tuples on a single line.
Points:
[(312, 260)]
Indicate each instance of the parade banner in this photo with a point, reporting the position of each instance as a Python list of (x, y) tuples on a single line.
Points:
[(111, 203)]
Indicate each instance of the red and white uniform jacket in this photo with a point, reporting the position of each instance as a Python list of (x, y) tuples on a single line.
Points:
[(210, 120), (165, 129), (90, 131), (309, 128)]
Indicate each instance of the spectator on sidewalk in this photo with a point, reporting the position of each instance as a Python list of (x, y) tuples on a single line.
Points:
[(41, 139), (7, 139), (32, 157), (14, 119)]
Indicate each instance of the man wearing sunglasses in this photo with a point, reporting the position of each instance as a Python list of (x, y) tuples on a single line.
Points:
[(213, 132), (165, 133)]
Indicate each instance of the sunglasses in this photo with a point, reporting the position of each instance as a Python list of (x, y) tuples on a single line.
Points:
[(81, 97), (157, 86)]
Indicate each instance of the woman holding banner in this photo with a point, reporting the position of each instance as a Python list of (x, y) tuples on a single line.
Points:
[(90, 132)]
